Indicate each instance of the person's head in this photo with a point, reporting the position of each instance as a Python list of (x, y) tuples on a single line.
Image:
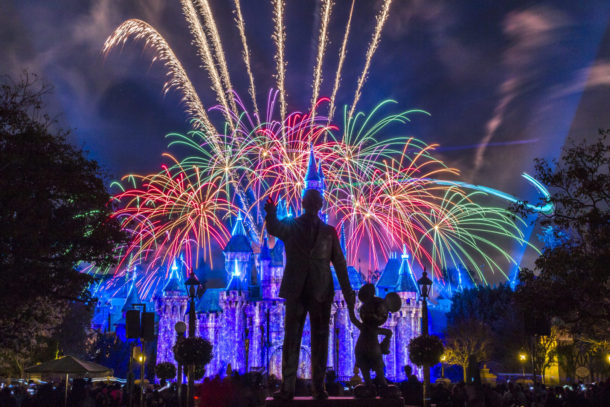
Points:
[(312, 201)]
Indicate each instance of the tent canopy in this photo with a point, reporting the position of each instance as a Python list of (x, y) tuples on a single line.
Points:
[(70, 365)]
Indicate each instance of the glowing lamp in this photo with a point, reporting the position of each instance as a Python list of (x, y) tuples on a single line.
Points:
[(522, 357), (424, 283), (443, 358), (191, 285)]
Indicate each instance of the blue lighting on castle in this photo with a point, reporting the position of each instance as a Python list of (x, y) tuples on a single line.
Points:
[(244, 319)]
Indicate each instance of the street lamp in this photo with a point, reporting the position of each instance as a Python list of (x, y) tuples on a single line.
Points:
[(522, 359), (191, 287), (424, 283), (180, 329), (443, 359)]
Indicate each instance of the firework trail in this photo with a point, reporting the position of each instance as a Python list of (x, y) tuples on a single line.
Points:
[(279, 37), (331, 109), (381, 19), (204, 52), (322, 41), (210, 23), (172, 210), (176, 76), (246, 56)]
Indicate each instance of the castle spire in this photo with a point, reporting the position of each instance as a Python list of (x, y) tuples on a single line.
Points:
[(312, 167), (238, 228), (313, 178), (342, 240), (406, 279), (132, 297), (265, 252), (174, 284)]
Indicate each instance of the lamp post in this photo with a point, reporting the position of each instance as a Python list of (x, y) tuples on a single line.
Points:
[(180, 328), (424, 283), (443, 359), (191, 287)]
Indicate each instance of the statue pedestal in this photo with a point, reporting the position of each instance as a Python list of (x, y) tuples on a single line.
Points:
[(335, 402)]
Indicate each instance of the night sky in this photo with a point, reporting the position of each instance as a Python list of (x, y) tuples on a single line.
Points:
[(504, 81)]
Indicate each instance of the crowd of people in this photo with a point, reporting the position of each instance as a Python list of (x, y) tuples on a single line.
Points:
[(251, 390)]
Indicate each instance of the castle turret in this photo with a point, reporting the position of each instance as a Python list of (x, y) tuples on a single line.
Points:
[(342, 242), (266, 272), (238, 258), (171, 307)]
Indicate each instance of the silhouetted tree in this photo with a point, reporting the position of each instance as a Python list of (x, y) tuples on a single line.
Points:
[(571, 277), (54, 213)]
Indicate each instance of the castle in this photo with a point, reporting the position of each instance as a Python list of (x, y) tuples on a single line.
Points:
[(244, 321)]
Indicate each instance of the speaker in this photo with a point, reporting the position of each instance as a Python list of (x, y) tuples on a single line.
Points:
[(132, 324), (148, 326)]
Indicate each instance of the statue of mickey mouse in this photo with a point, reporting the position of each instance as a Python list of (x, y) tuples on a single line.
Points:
[(374, 313)]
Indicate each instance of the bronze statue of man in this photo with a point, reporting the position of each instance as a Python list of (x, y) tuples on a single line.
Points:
[(307, 285)]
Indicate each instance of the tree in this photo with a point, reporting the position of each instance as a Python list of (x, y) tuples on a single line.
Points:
[(495, 307), (571, 278), (54, 213), (467, 339), (165, 371)]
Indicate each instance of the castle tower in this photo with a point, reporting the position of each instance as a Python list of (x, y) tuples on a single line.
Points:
[(406, 322), (171, 308), (266, 273)]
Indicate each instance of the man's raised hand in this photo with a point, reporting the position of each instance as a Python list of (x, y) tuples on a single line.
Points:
[(269, 205)]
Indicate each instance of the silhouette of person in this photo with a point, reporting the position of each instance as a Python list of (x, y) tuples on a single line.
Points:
[(307, 285)]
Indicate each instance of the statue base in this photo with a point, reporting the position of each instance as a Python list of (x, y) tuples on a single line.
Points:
[(335, 402)]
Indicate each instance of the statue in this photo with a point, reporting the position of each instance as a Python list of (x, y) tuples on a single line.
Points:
[(307, 285), (374, 313)]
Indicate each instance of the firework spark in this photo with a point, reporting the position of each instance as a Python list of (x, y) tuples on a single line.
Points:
[(381, 19), (279, 37), (176, 76), (210, 23), (246, 56), (342, 53), (327, 6), (204, 51)]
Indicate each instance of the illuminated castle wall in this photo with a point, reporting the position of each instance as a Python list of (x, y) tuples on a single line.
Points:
[(244, 321)]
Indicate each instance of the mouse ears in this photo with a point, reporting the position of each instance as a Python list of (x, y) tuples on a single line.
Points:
[(366, 292), (393, 301)]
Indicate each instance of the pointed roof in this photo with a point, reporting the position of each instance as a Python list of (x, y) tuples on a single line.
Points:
[(312, 168), (265, 253), (239, 242), (389, 276), (175, 283), (320, 172), (356, 279), (406, 279), (209, 301), (132, 297)]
